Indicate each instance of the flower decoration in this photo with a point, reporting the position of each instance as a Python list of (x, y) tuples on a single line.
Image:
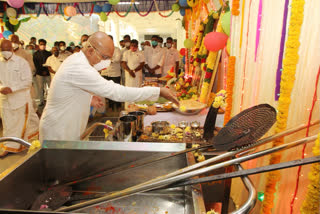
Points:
[(220, 99), (106, 131), (35, 145), (230, 85)]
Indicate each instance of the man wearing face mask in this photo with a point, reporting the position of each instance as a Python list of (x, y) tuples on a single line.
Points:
[(42, 73), (67, 111), (154, 59), (83, 39), (160, 42), (21, 52), (63, 52), (18, 116), (54, 61), (171, 58), (133, 62), (126, 42)]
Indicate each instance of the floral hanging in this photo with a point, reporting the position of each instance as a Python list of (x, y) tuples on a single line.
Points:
[(290, 62), (235, 7), (311, 203), (230, 85)]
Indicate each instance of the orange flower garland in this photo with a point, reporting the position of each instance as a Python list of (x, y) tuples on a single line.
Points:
[(235, 7), (290, 62), (230, 84)]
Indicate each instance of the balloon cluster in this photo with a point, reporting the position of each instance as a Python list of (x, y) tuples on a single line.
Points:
[(106, 8), (182, 5)]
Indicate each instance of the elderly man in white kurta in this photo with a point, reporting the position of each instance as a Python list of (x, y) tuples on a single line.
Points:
[(67, 111), (133, 62), (18, 116)]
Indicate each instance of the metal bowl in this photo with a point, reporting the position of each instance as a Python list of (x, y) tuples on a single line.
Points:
[(161, 127)]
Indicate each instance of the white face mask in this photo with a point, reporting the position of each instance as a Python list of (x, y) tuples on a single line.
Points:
[(102, 65), (15, 46), (6, 54), (169, 45), (127, 44), (62, 48)]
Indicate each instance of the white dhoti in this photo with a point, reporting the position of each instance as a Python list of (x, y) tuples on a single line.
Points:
[(22, 122), (134, 81)]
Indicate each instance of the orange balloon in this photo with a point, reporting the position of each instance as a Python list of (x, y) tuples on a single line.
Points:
[(70, 11)]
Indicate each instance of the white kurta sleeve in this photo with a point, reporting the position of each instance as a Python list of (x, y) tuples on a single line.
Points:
[(142, 58), (161, 61), (25, 79), (125, 57), (117, 55), (90, 80)]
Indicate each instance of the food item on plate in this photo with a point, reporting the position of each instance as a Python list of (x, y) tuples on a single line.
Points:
[(132, 107), (152, 110), (190, 105)]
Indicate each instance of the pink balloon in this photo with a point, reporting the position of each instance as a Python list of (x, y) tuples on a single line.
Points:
[(1, 36), (15, 3), (215, 41)]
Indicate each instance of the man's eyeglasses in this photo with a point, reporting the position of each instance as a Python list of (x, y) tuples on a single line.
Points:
[(101, 56)]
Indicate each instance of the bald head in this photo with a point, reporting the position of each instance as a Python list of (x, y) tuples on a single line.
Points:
[(6, 45), (98, 47), (102, 42)]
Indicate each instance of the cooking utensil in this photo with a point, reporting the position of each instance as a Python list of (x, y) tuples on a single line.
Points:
[(128, 128), (246, 172), (140, 119)]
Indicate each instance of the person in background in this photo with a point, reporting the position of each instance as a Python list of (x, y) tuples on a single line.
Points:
[(29, 49), (126, 40), (174, 44), (33, 41), (142, 46), (63, 52), (22, 44), (66, 114), (121, 43), (42, 73), (133, 62), (69, 49), (147, 44), (54, 61), (25, 54), (83, 39), (18, 115), (171, 58), (21, 52), (76, 49), (56, 44), (154, 57), (113, 72), (160, 41), (72, 46)]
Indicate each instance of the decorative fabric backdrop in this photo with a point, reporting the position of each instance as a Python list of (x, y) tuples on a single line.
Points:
[(257, 79)]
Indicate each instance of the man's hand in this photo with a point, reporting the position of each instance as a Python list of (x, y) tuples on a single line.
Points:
[(152, 71), (96, 102), (169, 95), (131, 72), (6, 90)]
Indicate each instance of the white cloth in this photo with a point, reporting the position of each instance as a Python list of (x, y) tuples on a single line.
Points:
[(171, 57), (123, 50), (114, 69), (133, 60), (154, 57), (68, 105), (16, 74), (54, 62), (64, 55)]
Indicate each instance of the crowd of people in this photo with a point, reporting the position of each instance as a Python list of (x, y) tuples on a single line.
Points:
[(32, 65)]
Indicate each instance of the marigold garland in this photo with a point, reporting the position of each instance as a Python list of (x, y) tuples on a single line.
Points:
[(311, 203), (235, 7), (230, 84), (287, 81)]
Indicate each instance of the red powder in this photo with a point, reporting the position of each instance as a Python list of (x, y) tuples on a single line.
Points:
[(132, 166), (110, 208)]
